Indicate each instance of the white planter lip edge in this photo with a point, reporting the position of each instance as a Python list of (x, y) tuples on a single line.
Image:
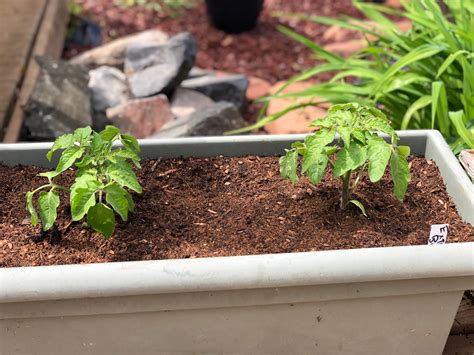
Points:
[(237, 272), (224, 139), (227, 273)]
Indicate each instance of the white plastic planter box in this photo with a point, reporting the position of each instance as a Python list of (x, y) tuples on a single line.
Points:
[(398, 300)]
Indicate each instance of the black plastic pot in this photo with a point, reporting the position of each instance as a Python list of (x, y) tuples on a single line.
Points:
[(234, 16)]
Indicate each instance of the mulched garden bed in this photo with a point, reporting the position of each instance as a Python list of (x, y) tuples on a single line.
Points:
[(220, 206), (263, 52)]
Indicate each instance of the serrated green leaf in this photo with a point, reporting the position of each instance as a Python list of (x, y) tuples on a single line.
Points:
[(131, 204), (327, 122), (330, 150), (82, 136), (315, 144), (85, 161), (126, 154), (82, 198), (102, 219), (359, 205), (316, 171), (130, 142), (123, 174), (300, 147), (344, 117), (85, 178), (62, 142), (69, 157), (86, 171), (31, 209), (359, 135), (110, 133), (349, 159), (375, 112), (116, 196), (98, 144), (377, 124), (404, 150), (123, 154), (345, 133), (351, 106), (400, 171), (378, 154), (288, 165), (48, 202)]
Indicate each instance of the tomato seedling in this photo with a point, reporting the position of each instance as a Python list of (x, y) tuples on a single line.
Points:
[(102, 177), (358, 148)]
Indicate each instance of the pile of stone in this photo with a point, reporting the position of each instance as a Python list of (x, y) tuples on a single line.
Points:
[(145, 84)]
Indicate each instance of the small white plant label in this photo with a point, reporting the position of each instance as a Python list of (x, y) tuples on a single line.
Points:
[(438, 234)]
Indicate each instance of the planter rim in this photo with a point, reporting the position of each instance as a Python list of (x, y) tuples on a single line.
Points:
[(236, 272), (242, 272), (225, 139)]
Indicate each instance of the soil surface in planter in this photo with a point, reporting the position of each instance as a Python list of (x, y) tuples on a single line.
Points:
[(203, 207)]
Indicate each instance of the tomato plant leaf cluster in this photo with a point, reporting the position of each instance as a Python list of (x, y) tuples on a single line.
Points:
[(359, 148), (104, 176)]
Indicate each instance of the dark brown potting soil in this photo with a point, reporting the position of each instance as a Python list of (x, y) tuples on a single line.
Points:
[(229, 206)]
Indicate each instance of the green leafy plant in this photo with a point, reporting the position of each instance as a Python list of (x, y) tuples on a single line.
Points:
[(422, 78), (359, 149), (103, 175)]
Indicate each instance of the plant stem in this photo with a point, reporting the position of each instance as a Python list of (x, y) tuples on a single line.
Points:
[(41, 187), (356, 181), (346, 179), (59, 187)]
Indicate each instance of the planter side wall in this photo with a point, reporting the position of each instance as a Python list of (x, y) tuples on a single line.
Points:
[(458, 185), (404, 324)]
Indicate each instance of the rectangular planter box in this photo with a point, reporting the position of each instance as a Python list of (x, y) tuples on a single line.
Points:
[(397, 300)]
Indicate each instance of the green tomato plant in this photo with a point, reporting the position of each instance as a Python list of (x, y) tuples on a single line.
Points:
[(103, 175), (359, 148)]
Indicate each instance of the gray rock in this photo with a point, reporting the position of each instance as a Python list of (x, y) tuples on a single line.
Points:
[(59, 102), (229, 88), (108, 87), (160, 68), (197, 72), (214, 120), (141, 117), (113, 53), (185, 102)]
